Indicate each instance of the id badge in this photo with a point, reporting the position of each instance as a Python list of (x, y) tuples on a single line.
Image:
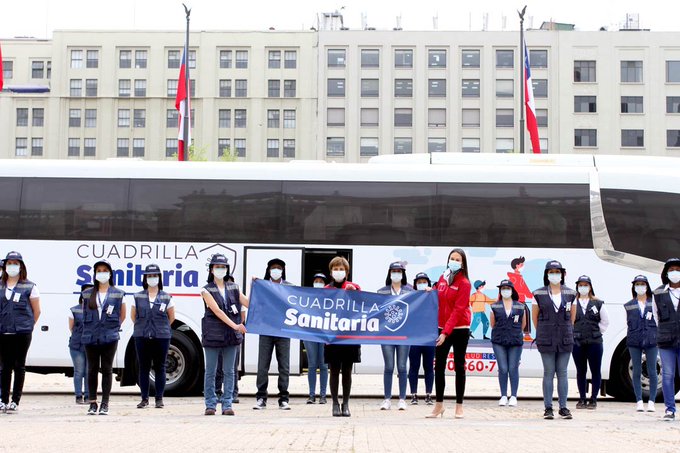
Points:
[(516, 319), (649, 316), (17, 297), (568, 306), (234, 310), (109, 310), (162, 307), (594, 309)]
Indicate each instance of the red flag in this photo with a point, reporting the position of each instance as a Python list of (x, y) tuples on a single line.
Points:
[(532, 124), (2, 81), (182, 104)]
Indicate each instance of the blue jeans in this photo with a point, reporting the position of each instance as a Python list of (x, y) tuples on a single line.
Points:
[(555, 363), (79, 372), (388, 352), (478, 317), (414, 355), (228, 354), (507, 360), (636, 357), (670, 362), (316, 361)]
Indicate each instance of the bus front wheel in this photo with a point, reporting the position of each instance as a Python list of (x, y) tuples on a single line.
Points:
[(183, 365), (620, 383)]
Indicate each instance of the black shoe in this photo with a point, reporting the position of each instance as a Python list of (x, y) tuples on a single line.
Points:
[(93, 409), (80, 400), (668, 416), (219, 393), (487, 338), (414, 399), (565, 413), (311, 400), (591, 404), (235, 399), (581, 404), (104, 409), (159, 403), (345, 410), (428, 400), (322, 400), (548, 414), (336, 410), (209, 411), (142, 404)]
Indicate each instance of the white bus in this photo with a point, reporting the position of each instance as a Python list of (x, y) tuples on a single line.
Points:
[(611, 217)]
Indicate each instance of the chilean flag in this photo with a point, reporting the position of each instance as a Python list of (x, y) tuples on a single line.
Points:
[(182, 103), (532, 124)]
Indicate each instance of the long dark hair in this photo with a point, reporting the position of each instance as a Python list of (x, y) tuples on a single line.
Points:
[(145, 285), (464, 267), (23, 272), (649, 292), (404, 280), (92, 302), (211, 277)]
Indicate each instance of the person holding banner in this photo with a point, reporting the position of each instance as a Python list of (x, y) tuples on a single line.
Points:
[(395, 284), (425, 352), (315, 358), (453, 290), (341, 358)]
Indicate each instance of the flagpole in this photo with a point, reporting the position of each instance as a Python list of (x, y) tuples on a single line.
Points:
[(522, 80), (187, 87)]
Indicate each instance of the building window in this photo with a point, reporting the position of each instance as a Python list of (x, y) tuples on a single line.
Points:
[(403, 58), (505, 88), (672, 104), (22, 117), (470, 58), (140, 88), (543, 143), (171, 118), (289, 119), (171, 147), (631, 104), (584, 71), (36, 146), (91, 118), (542, 117), (192, 59), (74, 117), (37, 69), (91, 87), (75, 87), (505, 58), (335, 146), (273, 119), (403, 145), (585, 104), (673, 71), (540, 88), (335, 117), (224, 119), (240, 146), (289, 88), (290, 59), (90, 147), (123, 117), (470, 88), (49, 69), (21, 147), (436, 58), (673, 138), (223, 146), (403, 117), (369, 117), (289, 149), (242, 63), (272, 148), (585, 137), (76, 59), (141, 58), (38, 117), (631, 72), (172, 88), (139, 118), (470, 145), (92, 59), (370, 88), (336, 58), (274, 88), (436, 145), (138, 145), (225, 59), (436, 117), (368, 146), (505, 118), (240, 118), (436, 88), (241, 88), (225, 88), (124, 86), (123, 147), (125, 59), (370, 58), (336, 87), (632, 138), (274, 63), (538, 58), (470, 117), (7, 69), (505, 145), (74, 147), (403, 88), (174, 59)]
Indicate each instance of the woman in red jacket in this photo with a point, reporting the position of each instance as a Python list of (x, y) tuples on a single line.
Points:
[(453, 289)]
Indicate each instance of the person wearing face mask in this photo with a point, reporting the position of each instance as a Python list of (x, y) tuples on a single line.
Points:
[(19, 311), (315, 353), (276, 273), (641, 337), (222, 332), (667, 314), (152, 314), (425, 352), (396, 283), (590, 324), (340, 357), (553, 318), (453, 290), (508, 323), (77, 348), (103, 314)]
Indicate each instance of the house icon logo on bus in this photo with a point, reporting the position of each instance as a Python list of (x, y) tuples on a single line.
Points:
[(207, 253)]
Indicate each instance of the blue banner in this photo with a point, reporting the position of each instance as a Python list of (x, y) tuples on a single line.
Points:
[(342, 317)]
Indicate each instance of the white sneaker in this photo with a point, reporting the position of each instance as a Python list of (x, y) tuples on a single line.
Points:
[(503, 401), (512, 402), (260, 404), (12, 407), (386, 405), (3, 408), (650, 406), (639, 406), (402, 405)]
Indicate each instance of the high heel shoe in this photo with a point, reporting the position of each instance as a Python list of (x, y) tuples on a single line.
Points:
[(459, 411), (345, 410), (437, 411), (336, 409)]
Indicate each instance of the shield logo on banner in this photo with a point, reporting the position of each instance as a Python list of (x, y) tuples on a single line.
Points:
[(396, 314)]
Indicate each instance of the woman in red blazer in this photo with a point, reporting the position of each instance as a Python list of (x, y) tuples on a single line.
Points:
[(453, 289)]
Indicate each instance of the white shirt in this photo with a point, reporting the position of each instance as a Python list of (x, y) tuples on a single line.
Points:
[(675, 298), (557, 300), (35, 293), (153, 299), (101, 298), (604, 316), (223, 293)]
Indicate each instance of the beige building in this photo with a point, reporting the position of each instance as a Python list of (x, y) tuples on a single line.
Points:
[(340, 95)]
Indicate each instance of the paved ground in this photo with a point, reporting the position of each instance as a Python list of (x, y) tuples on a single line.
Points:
[(48, 420)]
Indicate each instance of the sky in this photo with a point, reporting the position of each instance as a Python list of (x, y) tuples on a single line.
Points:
[(38, 18)]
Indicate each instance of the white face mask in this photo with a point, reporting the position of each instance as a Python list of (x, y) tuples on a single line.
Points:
[(13, 269), (640, 289), (395, 277), (103, 277), (584, 290), (318, 284), (338, 276), (454, 265), (152, 281), (276, 273), (506, 293), (421, 286), (555, 278), (673, 276), (219, 273)]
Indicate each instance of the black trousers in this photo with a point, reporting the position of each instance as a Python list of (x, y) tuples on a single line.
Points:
[(459, 341), (13, 351), (100, 356)]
